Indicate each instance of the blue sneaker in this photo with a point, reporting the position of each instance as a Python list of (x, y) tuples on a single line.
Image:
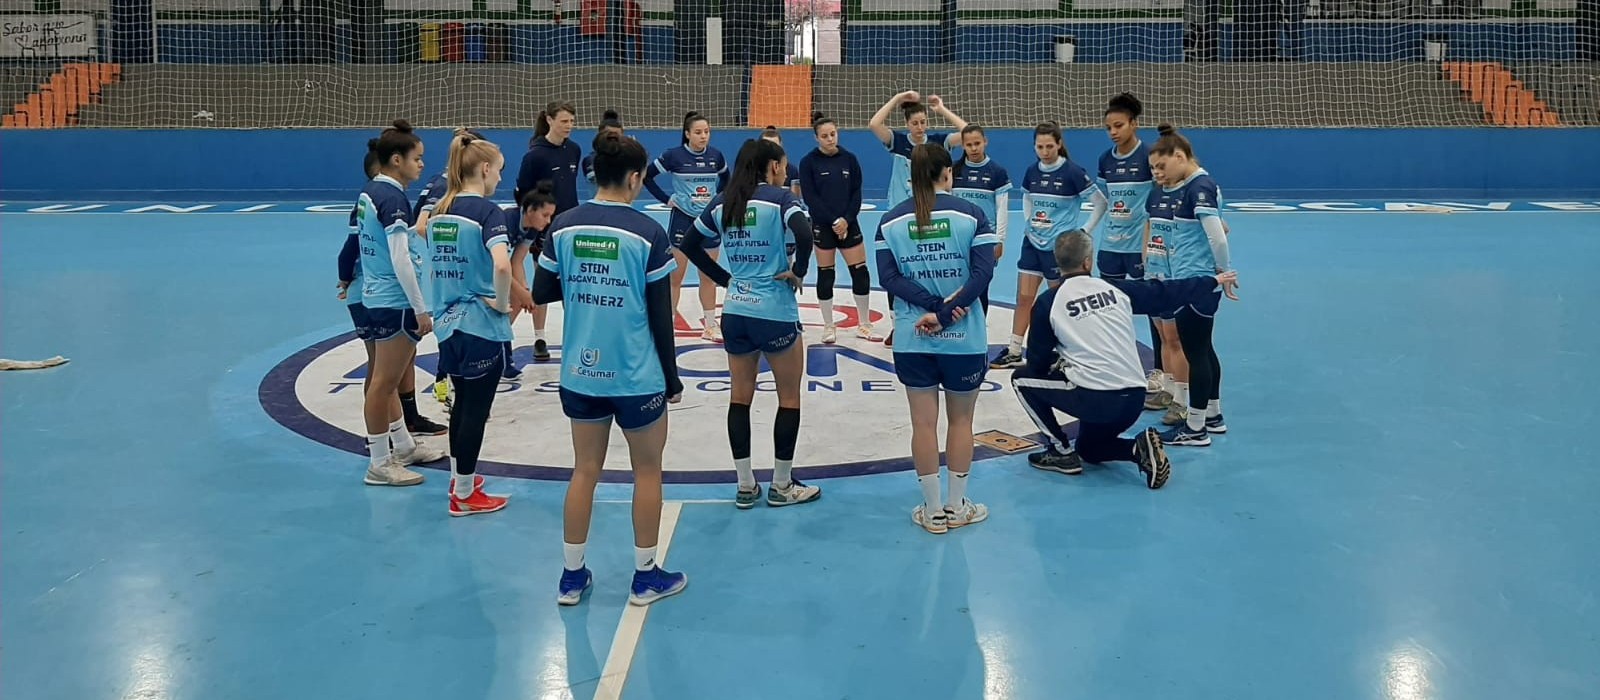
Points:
[(655, 584), (573, 585), (1181, 435), (1215, 424)]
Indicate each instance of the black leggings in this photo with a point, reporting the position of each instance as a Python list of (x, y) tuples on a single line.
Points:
[(469, 416), (1205, 372)]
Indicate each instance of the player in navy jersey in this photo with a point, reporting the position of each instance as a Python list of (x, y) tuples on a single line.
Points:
[(1196, 245), (830, 182), (791, 175), (528, 220), (1161, 207), (900, 144), (936, 255), (696, 171), (1125, 170), (396, 314), (610, 267), (552, 156), (754, 218), (470, 295), (610, 123), (983, 182), (1053, 192)]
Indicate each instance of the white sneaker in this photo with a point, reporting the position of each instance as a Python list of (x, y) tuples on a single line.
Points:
[(830, 335), (938, 523), (713, 332), (793, 494), (1153, 381), (392, 473), (421, 454), (966, 513), (864, 332)]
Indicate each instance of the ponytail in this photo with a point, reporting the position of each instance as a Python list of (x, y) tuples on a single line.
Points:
[(541, 123), (688, 123), (749, 171), (1053, 130), (469, 152), (928, 163)]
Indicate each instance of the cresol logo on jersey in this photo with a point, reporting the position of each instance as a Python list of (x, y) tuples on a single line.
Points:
[(854, 418)]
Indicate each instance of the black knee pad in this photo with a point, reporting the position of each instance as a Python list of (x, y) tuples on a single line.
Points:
[(825, 283), (860, 280)]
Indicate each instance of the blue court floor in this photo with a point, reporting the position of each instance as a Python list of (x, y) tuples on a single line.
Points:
[(1404, 508)]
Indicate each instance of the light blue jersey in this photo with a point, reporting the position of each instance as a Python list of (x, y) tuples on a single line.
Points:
[(1128, 185), (695, 177), (1053, 197), (1157, 261), (352, 293), (382, 211), (756, 252), (982, 184), (900, 147), (463, 242), (1187, 247), (605, 254), (938, 257)]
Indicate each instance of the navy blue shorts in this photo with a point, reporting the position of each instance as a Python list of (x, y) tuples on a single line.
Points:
[(1120, 266), (469, 356), (679, 224), (383, 324), (1206, 306), (742, 335), (826, 239), (630, 412), (358, 318), (1040, 263), (957, 373)]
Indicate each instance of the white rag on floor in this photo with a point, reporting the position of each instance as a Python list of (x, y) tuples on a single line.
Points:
[(32, 364)]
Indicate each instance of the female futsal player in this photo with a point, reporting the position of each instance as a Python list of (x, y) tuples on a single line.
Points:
[(1125, 168), (698, 172), (350, 272), (936, 255), (900, 144), (753, 218), (396, 315), (984, 183), (791, 176), (552, 156), (830, 182), (1053, 192), (534, 212), (610, 123), (1196, 246), (470, 295), (610, 267)]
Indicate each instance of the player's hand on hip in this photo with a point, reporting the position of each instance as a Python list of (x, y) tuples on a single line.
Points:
[(788, 276), (424, 324)]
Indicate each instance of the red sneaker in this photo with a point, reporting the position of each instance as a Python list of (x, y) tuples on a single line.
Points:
[(477, 485), (478, 502)]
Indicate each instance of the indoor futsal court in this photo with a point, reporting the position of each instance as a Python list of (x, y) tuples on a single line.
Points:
[(1401, 510)]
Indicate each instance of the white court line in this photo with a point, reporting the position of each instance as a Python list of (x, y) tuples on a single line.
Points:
[(664, 504), (615, 673)]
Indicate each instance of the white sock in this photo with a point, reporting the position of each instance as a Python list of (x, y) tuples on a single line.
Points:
[(1181, 395), (378, 447), (826, 307), (462, 482), (863, 309), (1016, 345), (401, 437), (1197, 419), (710, 318), (780, 472), (1169, 386), (538, 333), (644, 558), (958, 487), (747, 476), (1213, 408), (573, 554), (930, 493)]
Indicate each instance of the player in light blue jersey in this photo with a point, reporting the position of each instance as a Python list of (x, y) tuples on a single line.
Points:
[(1196, 245), (610, 266), (697, 172), (396, 314), (936, 255), (901, 143), (1053, 193), (470, 298), (980, 180), (753, 219), (1125, 170), (528, 221)]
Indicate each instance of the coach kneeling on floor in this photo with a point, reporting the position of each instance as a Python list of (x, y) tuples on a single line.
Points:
[(1082, 360)]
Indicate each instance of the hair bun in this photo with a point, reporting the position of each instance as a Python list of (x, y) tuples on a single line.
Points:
[(612, 114), (372, 144), (402, 126), (818, 116), (1166, 129), (545, 186)]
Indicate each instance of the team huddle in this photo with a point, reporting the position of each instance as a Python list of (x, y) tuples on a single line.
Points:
[(453, 264)]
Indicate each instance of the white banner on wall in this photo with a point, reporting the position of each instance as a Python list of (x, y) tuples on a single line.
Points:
[(46, 36)]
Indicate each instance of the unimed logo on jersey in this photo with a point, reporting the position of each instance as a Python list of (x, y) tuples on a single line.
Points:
[(445, 232), (938, 228), (854, 419), (595, 247), (750, 217)]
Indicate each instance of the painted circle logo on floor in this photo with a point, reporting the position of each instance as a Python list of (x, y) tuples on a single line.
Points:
[(854, 416)]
